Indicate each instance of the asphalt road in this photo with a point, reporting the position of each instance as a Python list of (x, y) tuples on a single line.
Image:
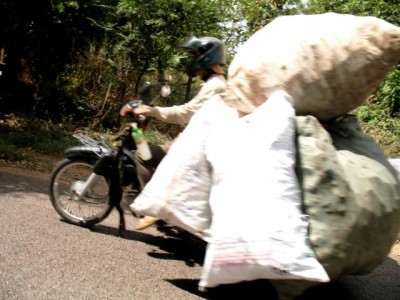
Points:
[(42, 257)]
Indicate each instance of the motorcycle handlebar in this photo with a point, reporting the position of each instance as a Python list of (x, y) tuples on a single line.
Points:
[(141, 120)]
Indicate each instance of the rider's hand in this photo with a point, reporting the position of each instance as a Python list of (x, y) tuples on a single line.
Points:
[(125, 110), (142, 110)]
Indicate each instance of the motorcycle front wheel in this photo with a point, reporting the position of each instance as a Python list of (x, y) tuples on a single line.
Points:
[(66, 183)]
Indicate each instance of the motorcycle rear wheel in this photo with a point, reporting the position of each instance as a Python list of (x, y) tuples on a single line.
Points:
[(66, 179)]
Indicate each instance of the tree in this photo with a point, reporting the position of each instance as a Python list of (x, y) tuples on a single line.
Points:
[(20, 41), (139, 41), (385, 9), (39, 39), (242, 18), (149, 32)]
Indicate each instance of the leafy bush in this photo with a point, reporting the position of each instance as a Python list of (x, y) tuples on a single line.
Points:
[(42, 136)]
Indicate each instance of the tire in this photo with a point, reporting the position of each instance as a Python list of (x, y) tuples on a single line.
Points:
[(67, 177)]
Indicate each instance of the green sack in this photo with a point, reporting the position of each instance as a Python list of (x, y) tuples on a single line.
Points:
[(351, 194)]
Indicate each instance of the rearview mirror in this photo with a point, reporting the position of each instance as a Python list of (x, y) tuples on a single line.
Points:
[(145, 89)]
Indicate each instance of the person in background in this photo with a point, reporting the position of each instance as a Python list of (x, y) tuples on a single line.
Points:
[(208, 60)]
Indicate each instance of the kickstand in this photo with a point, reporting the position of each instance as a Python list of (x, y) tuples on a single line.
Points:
[(121, 227)]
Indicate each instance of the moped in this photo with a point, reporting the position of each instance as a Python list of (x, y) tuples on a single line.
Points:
[(93, 178)]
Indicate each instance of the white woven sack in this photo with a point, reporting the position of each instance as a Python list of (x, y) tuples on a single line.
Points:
[(329, 63), (258, 230), (179, 189), (395, 162)]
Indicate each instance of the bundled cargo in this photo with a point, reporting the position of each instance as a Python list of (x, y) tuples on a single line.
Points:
[(329, 63), (276, 195)]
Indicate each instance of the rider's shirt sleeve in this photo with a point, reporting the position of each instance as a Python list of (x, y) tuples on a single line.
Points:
[(181, 114)]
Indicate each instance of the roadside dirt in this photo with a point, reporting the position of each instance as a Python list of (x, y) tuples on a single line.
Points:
[(41, 163)]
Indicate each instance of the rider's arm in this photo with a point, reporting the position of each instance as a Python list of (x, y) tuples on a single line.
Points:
[(181, 114)]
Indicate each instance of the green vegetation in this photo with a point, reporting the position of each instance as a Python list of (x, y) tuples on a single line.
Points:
[(31, 133), (77, 62), (23, 141), (36, 144)]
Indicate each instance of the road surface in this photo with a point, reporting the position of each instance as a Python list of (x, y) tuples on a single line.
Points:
[(42, 257)]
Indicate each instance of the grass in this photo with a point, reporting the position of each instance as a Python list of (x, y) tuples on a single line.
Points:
[(36, 144), (31, 143), (376, 121), (26, 133)]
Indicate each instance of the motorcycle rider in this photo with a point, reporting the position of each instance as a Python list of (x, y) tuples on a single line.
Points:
[(208, 61)]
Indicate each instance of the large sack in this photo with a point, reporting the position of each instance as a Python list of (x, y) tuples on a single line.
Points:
[(258, 228), (180, 188), (255, 227), (351, 194), (352, 197), (329, 63), (395, 162)]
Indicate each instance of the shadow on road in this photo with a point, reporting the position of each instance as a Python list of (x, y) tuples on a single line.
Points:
[(257, 289), (381, 284), (175, 245)]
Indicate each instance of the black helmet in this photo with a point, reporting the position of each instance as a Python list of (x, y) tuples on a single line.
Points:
[(206, 51)]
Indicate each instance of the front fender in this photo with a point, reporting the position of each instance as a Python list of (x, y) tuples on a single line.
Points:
[(86, 151)]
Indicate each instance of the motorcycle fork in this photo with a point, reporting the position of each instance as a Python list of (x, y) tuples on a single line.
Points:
[(100, 169), (88, 183), (108, 168)]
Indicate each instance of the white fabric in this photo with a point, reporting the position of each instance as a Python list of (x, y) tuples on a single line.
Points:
[(258, 230), (179, 189), (395, 162)]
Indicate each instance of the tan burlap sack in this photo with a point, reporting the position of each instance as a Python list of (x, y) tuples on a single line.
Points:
[(329, 63)]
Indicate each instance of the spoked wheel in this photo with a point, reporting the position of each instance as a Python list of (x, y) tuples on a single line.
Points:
[(66, 184)]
